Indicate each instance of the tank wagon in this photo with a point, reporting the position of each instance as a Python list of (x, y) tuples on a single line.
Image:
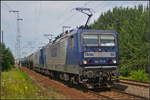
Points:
[(27, 61)]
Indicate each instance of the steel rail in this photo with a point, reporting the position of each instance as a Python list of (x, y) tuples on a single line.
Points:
[(135, 81), (138, 83), (100, 95), (141, 97)]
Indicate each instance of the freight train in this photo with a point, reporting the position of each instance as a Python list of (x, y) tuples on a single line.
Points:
[(81, 56)]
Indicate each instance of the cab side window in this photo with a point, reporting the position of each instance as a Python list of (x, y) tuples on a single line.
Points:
[(71, 41), (54, 52)]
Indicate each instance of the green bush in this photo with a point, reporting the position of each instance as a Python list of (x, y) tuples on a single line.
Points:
[(124, 71), (139, 75), (6, 58)]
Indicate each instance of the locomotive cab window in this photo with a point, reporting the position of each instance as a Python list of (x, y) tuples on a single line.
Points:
[(90, 40), (98, 40), (54, 52), (107, 40)]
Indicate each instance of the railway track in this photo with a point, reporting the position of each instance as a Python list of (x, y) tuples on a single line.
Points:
[(100, 95), (130, 94), (114, 94), (136, 83), (109, 93), (106, 94), (135, 88)]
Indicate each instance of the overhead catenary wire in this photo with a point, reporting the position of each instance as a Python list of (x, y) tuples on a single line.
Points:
[(37, 20), (85, 4), (67, 19), (63, 13), (7, 25), (39, 15), (70, 17), (9, 8)]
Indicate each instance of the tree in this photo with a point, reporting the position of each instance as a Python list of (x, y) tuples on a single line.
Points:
[(6, 58)]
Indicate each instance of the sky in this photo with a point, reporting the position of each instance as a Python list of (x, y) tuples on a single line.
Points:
[(48, 17)]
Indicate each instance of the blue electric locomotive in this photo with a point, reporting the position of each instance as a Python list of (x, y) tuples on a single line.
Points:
[(97, 56), (81, 56)]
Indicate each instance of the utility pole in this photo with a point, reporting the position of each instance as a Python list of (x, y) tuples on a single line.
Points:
[(0, 54), (18, 36), (2, 37), (1, 42)]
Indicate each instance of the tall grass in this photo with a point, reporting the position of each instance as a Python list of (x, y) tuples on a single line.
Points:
[(139, 75), (16, 84)]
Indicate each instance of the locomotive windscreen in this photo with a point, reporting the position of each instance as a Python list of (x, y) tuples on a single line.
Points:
[(91, 40), (107, 40), (98, 40)]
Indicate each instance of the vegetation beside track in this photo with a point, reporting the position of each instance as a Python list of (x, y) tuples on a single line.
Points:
[(139, 75), (6, 58), (16, 84)]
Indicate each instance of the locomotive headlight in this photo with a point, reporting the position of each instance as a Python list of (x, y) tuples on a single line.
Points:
[(114, 61), (84, 62)]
